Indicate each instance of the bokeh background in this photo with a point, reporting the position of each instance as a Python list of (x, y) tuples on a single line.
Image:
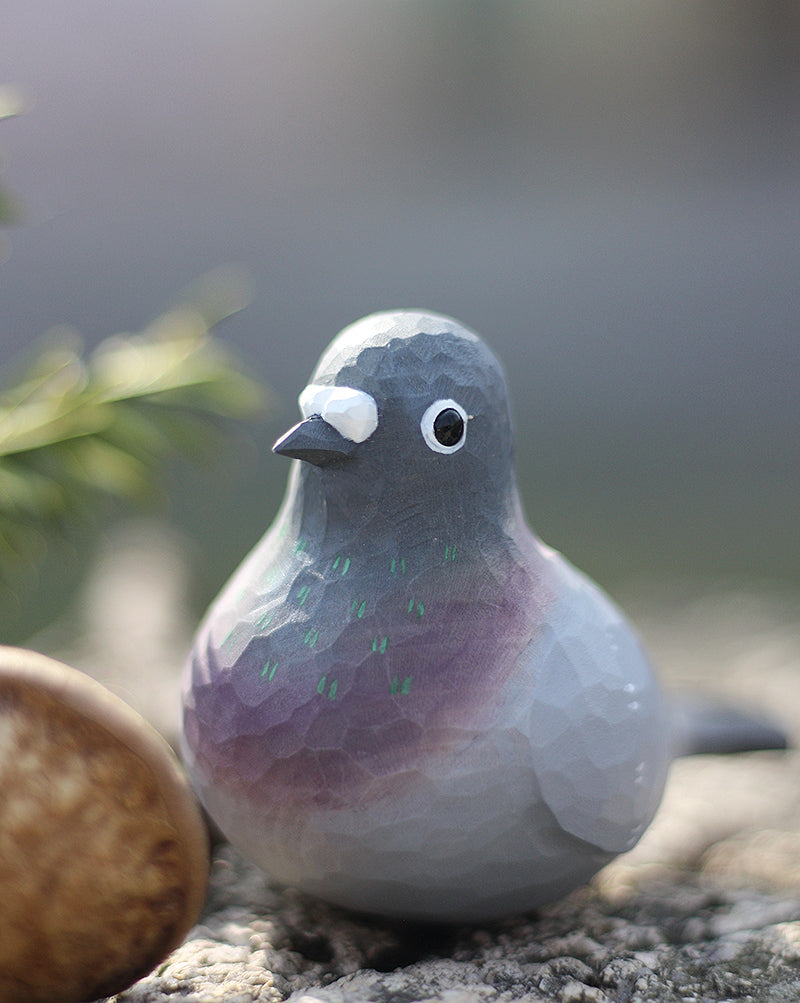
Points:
[(609, 193)]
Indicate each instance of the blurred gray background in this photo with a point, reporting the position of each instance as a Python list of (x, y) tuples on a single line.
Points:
[(609, 193)]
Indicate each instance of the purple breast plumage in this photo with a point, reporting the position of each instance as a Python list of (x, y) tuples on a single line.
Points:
[(321, 693)]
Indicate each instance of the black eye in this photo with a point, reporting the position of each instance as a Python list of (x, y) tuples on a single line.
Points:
[(444, 426), (448, 426)]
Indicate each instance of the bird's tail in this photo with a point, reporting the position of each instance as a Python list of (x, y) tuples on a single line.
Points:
[(700, 727)]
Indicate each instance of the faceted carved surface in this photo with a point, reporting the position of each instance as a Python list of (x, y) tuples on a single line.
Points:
[(352, 413), (403, 702)]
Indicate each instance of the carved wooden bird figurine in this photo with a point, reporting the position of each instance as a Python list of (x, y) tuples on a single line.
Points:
[(403, 701)]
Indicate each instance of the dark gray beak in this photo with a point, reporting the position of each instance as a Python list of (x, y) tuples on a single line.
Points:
[(314, 441)]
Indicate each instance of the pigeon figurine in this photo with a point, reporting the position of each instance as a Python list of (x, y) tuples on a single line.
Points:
[(404, 702)]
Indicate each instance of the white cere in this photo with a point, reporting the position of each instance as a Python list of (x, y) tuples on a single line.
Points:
[(353, 413), (444, 426)]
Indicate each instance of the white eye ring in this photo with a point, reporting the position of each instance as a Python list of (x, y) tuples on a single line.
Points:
[(353, 413), (427, 426)]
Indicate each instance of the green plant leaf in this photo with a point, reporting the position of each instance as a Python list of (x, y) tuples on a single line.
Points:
[(74, 428)]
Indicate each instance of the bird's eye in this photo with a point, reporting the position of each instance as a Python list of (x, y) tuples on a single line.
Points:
[(444, 426), (448, 427)]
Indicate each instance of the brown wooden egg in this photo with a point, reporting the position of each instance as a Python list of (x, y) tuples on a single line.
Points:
[(103, 849)]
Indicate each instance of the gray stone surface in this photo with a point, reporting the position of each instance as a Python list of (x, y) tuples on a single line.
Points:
[(682, 936), (706, 907)]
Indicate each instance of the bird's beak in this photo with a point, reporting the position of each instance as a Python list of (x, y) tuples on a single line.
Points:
[(314, 441)]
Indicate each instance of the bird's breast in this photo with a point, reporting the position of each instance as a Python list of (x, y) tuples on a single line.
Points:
[(341, 681)]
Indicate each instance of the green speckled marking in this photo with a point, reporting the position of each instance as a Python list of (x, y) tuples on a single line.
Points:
[(379, 644), (302, 595), (269, 670), (332, 691), (346, 566), (401, 564), (265, 620), (411, 606), (403, 688), (228, 637), (420, 608), (357, 608), (337, 561), (301, 545), (450, 553), (321, 685), (311, 638)]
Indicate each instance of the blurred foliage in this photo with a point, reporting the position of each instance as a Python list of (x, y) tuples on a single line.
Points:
[(74, 428), (12, 103)]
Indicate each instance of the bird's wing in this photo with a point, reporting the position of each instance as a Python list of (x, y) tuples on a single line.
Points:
[(598, 724)]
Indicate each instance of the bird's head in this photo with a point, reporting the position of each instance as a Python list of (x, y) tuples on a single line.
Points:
[(406, 404)]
